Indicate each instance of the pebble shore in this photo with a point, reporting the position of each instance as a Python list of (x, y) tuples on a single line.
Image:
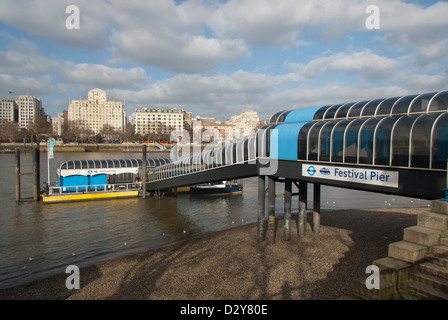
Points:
[(231, 264)]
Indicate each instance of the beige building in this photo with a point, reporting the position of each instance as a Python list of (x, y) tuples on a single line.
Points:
[(159, 121), (247, 120), (9, 111), (96, 111), (30, 108), (57, 124)]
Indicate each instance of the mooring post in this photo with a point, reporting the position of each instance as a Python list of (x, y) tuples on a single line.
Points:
[(261, 227), (302, 217), (270, 234), (287, 206), (144, 171), (36, 172), (18, 175), (316, 208)]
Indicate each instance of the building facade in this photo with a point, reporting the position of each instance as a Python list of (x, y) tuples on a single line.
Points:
[(30, 108), (158, 121), (96, 111), (9, 111), (247, 120)]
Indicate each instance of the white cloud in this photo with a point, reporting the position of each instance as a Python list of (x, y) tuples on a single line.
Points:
[(280, 23), (175, 52), (368, 65), (46, 19), (38, 85), (97, 75)]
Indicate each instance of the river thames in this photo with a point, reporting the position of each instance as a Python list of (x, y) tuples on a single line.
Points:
[(38, 240)]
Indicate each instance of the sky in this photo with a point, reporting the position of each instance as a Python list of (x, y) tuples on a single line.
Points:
[(219, 58)]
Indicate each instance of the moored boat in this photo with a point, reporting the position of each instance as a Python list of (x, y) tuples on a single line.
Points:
[(81, 180), (217, 188)]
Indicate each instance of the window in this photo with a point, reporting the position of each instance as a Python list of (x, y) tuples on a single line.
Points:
[(421, 141), (439, 102), (351, 141), (366, 136), (440, 142), (400, 141)]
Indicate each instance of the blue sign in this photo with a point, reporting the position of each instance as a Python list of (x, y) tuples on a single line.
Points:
[(311, 170), (372, 176), (51, 144)]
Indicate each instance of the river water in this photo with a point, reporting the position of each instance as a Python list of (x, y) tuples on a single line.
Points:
[(38, 240)]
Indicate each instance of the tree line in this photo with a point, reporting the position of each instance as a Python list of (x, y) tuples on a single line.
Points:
[(76, 131)]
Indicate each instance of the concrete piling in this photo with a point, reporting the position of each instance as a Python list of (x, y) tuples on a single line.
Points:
[(302, 217), (36, 172), (287, 208), (261, 227), (144, 171), (18, 175), (270, 234), (316, 208)]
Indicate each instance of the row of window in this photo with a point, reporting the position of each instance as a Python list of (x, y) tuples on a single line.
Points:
[(239, 152), (409, 141), (433, 102), (116, 163), (408, 131)]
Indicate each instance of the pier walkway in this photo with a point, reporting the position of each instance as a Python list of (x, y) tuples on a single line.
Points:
[(395, 145)]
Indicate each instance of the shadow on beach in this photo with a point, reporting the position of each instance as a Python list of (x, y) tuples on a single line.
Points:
[(231, 264)]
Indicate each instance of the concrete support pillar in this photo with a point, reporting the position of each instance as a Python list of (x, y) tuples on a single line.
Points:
[(287, 207), (302, 217), (270, 234), (316, 208), (261, 231)]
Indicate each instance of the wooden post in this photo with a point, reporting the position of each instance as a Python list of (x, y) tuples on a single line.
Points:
[(316, 208), (261, 227), (303, 198), (144, 171), (287, 218), (36, 172), (18, 175), (270, 235)]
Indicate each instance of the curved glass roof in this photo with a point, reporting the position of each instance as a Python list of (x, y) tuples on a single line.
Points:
[(425, 103), (408, 131), (116, 163)]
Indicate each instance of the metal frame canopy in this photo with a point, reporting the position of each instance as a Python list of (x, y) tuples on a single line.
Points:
[(400, 142), (115, 163), (408, 131)]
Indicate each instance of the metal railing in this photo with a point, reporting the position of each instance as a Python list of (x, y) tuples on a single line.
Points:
[(53, 190)]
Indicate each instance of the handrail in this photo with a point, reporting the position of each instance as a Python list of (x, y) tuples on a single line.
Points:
[(93, 188)]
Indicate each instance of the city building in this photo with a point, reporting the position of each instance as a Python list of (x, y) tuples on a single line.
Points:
[(159, 121), (30, 108), (96, 111), (58, 123), (9, 111), (211, 127), (247, 121)]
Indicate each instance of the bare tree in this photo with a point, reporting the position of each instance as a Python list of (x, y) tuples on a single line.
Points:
[(9, 131)]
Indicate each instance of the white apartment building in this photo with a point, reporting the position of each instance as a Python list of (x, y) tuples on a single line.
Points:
[(160, 121), (247, 120), (9, 111), (96, 111), (30, 107), (57, 124)]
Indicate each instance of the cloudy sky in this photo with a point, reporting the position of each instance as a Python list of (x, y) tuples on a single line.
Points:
[(218, 58)]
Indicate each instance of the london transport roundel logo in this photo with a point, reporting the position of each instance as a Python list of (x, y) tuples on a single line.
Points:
[(311, 170)]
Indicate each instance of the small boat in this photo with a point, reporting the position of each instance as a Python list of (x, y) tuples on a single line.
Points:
[(217, 188), (81, 180)]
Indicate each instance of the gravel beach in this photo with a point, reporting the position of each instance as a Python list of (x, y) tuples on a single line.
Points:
[(231, 264)]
